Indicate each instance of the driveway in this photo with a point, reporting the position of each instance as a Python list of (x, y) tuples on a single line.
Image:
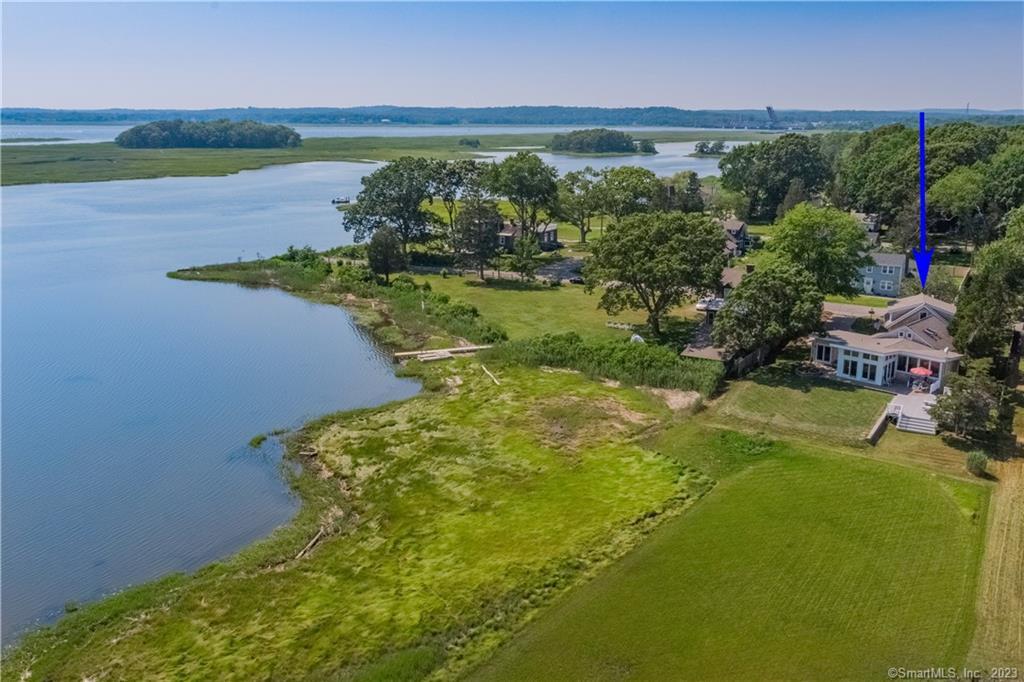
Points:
[(562, 269)]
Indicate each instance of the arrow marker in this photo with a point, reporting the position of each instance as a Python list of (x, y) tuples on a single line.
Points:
[(922, 255)]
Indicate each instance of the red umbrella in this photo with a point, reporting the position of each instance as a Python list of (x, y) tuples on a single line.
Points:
[(921, 372)]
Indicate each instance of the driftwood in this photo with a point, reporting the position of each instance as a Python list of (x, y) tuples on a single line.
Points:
[(493, 378), (311, 544)]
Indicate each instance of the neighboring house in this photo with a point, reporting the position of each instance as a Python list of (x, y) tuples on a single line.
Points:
[(884, 276), (547, 236), (731, 278), (735, 237), (915, 333), (870, 225)]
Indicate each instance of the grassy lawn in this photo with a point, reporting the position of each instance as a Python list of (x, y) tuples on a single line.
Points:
[(444, 525), (877, 302), (91, 162), (797, 566), (525, 310), (776, 399)]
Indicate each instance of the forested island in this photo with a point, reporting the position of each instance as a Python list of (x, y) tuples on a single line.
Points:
[(600, 141), (222, 133)]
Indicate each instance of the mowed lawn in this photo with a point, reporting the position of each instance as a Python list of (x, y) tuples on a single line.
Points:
[(777, 399), (525, 311), (797, 566)]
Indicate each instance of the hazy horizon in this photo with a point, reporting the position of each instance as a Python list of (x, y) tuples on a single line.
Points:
[(821, 56)]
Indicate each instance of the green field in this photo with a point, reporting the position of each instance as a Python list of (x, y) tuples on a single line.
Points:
[(26, 164), (448, 518), (525, 310), (798, 566), (877, 302)]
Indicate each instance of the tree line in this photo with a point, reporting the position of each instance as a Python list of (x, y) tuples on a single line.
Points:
[(398, 199), (973, 177), (209, 134)]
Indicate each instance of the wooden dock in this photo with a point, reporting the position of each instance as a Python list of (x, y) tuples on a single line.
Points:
[(438, 353)]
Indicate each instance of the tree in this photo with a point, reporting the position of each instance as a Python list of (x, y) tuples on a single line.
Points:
[(971, 404), (628, 189), (385, 253), (594, 141), (959, 197), (655, 261), (393, 196), (941, 285), (772, 306), (905, 231), (528, 184), (579, 199), (763, 171), (681, 192), (524, 258), (1004, 178), (826, 242), (449, 181), (992, 299), (476, 233), (797, 194)]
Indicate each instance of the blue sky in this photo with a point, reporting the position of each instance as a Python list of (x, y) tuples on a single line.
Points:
[(693, 55)]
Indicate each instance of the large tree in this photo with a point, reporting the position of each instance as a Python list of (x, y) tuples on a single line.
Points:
[(681, 192), (385, 254), (772, 306), (825, 242), (626, 190), (476, 233), (529, 186), (449, 183), (992, 299), (971, 405), (579, 199), (763, 171), (655, 261), (393, 196)]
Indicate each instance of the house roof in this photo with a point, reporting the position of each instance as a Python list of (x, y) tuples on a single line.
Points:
[(909, 302), (732, 225), (731, 277), (935, 331), (881, 258), (881, 344), (510, 229)]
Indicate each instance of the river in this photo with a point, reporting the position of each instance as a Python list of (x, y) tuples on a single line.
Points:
[(128, 398)]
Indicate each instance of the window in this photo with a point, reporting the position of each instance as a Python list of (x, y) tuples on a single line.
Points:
[(888, 269), (850, 368), (871, 357), (924, 314), (885, 285), (901, 363), (868, 270), (868, 371), (824, 353), (868, 284)]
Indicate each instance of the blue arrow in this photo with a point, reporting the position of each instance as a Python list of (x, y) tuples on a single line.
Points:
[(922, 255)]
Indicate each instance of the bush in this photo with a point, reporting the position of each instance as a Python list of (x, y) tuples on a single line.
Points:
[(631, 363), (977, 462), (351, 251), (431, 259)]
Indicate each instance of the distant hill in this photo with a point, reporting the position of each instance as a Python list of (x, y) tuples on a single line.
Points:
[(525, 115)]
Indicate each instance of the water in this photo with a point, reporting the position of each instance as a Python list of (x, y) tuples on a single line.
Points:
[(671, 158), (128, 398), (107, 132)]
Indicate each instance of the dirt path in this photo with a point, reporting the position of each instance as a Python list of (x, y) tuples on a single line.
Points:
[(999, 635)]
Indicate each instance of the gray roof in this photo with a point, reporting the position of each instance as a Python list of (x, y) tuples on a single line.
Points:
[(732, 225), (882, 258), (878, 343)]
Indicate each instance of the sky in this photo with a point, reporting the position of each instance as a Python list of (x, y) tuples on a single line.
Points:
[(704, 55)]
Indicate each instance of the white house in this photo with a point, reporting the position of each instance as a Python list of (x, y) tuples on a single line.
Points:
[(914, 334)]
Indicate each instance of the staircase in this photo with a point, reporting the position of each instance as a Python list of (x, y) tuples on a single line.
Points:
[(916, 424)]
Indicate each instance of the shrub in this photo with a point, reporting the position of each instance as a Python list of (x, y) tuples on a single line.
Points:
[(632, 363), (977, 462)]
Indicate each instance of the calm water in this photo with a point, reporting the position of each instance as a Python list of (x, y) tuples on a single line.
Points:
[(106, 133), (128, 398)]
